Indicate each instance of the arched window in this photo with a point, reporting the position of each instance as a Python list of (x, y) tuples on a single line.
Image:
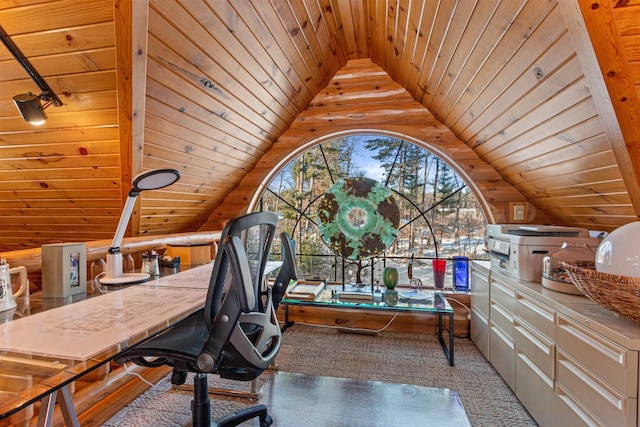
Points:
[(439, 217)]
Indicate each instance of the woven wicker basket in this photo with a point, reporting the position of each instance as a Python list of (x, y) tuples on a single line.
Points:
[(620, 294)]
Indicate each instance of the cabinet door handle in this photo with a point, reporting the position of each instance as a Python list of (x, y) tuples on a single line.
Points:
[(615, 401), (603, 347), (503, 288), (535, 308), (506, 339), (505, 314), (534, 368), (545, 348)]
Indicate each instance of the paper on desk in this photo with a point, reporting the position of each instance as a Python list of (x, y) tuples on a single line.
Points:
[(197, 277), (83, 329)]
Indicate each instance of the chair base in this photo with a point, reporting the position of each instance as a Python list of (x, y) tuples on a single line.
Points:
[(243, 415), (251, 394), (201, 408)]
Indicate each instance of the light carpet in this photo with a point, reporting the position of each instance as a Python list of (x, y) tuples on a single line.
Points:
[(388, 356)]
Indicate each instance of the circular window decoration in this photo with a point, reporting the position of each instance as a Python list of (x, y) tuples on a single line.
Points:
[(358, 218)]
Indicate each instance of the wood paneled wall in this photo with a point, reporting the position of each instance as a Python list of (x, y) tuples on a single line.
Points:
[(60, 180), (543, 91), (613, 31), (362, 98)]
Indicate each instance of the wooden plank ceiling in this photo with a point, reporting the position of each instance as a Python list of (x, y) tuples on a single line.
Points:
[(221, 81)]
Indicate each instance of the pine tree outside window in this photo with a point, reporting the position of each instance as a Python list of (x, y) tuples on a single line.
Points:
[(439, 215)]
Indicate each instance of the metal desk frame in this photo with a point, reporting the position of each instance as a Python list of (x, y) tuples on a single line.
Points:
[(439, 307)]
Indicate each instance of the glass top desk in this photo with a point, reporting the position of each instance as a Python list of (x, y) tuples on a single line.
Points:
[(52, 342), (437, 304)]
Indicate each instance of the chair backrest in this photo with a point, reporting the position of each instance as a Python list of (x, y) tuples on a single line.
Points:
[(288, 270), (244, 335), (256, 231)]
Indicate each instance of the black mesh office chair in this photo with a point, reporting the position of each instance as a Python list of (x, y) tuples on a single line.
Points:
[(236, 335)]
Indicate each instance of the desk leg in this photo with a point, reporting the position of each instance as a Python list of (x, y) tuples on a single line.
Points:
[(451, 335), (287, 323), (47, 406), (46, 409), (448, 351)]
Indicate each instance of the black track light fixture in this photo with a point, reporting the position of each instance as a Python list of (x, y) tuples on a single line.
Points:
[(30, 105)]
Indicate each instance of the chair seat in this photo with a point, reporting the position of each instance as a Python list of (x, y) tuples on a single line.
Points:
[(183, 342)]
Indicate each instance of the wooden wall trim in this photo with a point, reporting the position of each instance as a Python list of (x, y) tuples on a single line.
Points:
[(378, 106), (31, 259), (124, 86), (138, 53), (598, 45), (131, 22)]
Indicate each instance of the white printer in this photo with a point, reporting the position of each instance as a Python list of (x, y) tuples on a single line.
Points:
[(518, 250)]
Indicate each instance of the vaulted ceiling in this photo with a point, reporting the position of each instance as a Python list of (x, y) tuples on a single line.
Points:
[(514, 93)]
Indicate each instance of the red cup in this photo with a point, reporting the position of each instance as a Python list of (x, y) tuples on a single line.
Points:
[(439, 267)]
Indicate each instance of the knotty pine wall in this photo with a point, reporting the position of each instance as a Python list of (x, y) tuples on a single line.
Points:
[(360, 98), (545, 93)]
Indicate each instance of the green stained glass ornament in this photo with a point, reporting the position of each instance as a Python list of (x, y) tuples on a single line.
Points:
[(358, 218)]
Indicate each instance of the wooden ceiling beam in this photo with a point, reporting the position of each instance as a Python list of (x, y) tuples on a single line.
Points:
[(599, 48), (131, 23)]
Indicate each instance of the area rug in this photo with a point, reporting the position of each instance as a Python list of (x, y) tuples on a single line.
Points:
[(399, 358)]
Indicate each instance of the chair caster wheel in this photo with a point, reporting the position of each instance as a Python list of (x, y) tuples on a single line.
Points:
[(178, 377), (266, 422)]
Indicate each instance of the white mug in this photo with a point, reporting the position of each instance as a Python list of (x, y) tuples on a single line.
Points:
[(7, 296), (24, 280)]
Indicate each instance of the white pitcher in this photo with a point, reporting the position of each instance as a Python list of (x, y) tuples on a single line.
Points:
[(7, 297)]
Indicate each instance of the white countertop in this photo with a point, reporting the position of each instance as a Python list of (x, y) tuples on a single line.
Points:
[(485, 265), (584, 311)]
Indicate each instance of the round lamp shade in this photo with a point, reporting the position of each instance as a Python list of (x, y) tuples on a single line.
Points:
[(358, 218), (155, 179), (619, 252)]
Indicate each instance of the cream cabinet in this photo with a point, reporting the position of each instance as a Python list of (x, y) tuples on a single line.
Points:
[(569, 361), (534, 332), (502, 297), (480, 305), (597, 379)]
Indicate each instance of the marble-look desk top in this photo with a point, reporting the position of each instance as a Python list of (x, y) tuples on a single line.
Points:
[(64, 339)]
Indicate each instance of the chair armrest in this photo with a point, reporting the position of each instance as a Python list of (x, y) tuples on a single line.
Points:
[(259, 352)]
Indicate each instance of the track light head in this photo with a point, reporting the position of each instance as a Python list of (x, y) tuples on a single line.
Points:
[(31, 108)]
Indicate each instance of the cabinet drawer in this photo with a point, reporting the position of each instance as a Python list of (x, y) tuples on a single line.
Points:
[(616, 365), (535, 390), (535, 350), (480, 332), (503, 294), (480, 292), (589, 398), (502, 356), (538, 315), (502, 319)]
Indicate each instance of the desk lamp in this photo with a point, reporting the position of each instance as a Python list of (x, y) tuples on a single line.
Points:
[(151, 180)]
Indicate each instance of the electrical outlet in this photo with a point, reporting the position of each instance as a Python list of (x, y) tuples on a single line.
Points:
[(518, 213)]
